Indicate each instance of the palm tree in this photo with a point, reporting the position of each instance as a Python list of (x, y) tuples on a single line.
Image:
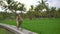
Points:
[(42, 5), (30, 12)]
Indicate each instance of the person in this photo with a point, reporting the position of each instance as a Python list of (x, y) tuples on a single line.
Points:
[(19, 21)]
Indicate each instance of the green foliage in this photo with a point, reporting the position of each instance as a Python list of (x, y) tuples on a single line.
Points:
[(42, 5), (9, 1), (31, 12)]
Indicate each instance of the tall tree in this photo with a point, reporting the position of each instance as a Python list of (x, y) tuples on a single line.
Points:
[(52, 11), (30, 12), (42, 5), (14, 6), (57, 13)]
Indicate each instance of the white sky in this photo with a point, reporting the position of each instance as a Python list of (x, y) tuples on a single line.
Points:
[(55, 3), (27, 3)]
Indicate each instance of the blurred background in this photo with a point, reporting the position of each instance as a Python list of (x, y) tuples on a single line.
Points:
[(41, 16)]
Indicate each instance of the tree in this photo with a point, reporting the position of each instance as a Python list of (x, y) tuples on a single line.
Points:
[(52, 11), (57, 13), (30, 12), (13, 6), (42, 5)]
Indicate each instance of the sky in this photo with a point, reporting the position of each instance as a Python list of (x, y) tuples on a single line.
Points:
[(27, 3), (55, 3)]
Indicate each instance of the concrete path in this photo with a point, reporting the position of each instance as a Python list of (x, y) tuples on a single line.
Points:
[(14, 28)]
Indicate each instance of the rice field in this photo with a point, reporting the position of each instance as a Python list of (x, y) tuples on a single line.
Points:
[(41, 26)]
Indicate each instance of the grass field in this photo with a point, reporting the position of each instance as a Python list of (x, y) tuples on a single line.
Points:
[(41, 26), (4, 31)]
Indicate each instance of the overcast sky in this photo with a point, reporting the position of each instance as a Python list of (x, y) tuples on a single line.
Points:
[(55, 3), (27, 3)]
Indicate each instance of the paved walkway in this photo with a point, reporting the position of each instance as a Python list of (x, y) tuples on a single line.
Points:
[(14, 29)]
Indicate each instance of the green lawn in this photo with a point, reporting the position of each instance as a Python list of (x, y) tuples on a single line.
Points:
[(41, 26)]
